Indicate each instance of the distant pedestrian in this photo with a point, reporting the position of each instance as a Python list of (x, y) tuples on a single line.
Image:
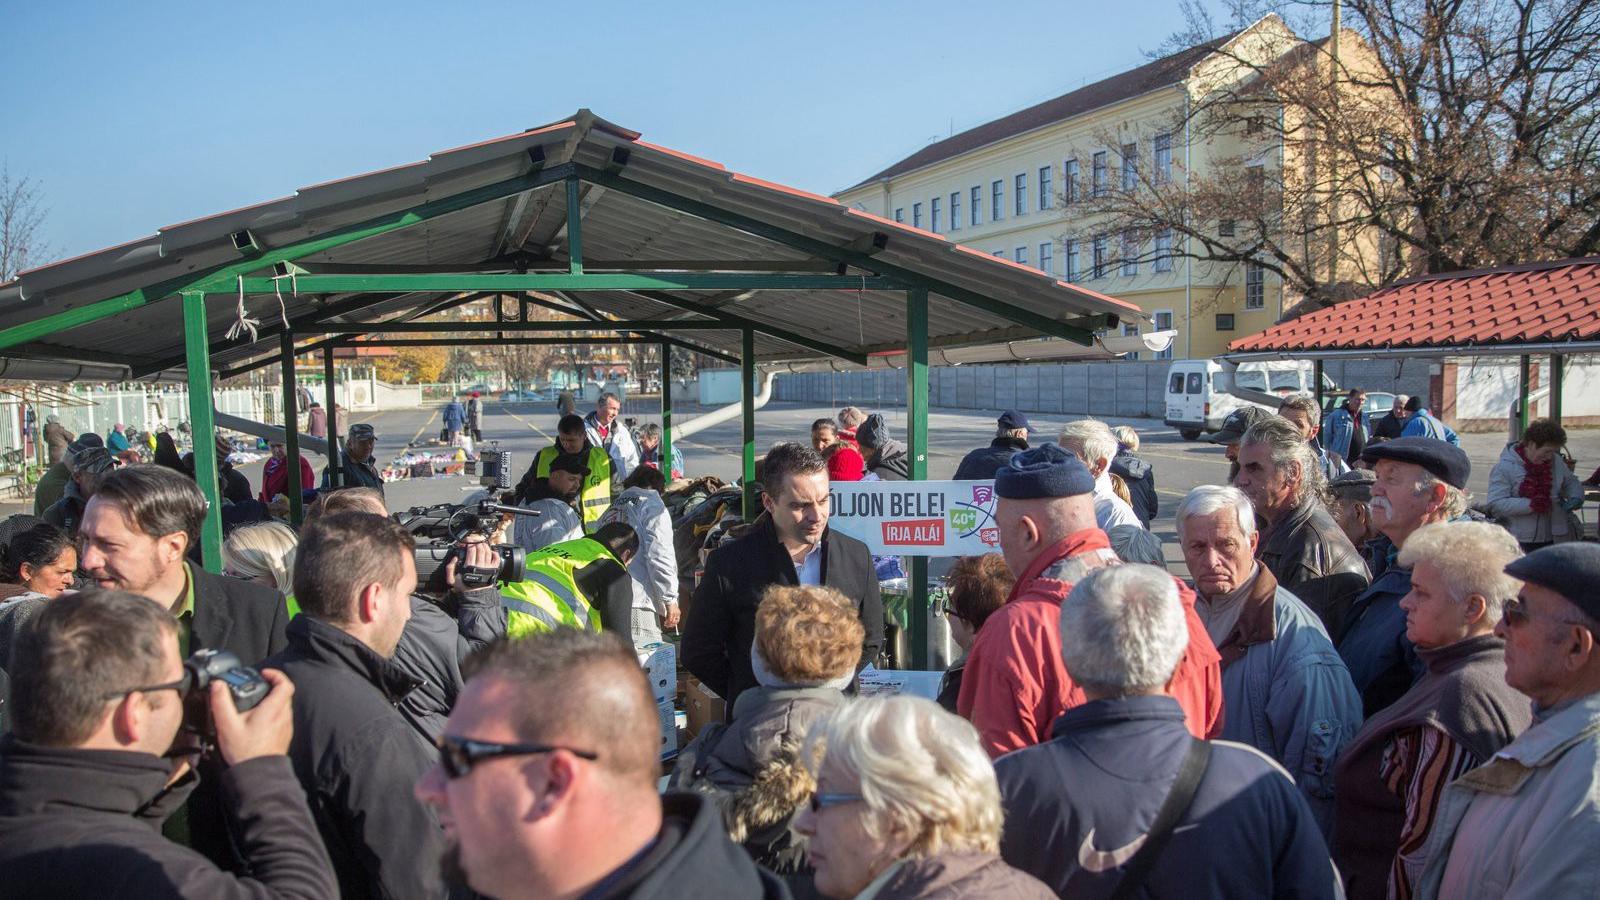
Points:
[(1344, 431), (56, 438), (475, 416), (1011, 438), (850, 418), (1422, 423), (1391, 424), (607, 431), (455, 416), (1139, 476), (317, 420), (886, 457), (1093, 443), (1532, 492), (117, 439), (566, 404)]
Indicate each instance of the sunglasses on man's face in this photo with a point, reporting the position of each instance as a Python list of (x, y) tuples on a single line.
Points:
[(1515, 614), (459, 755), (820, 801)]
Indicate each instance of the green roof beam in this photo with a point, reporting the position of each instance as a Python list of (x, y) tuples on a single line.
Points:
[(556, 281)]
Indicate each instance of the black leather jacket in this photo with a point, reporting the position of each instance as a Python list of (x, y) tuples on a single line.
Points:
[(1311, 558)]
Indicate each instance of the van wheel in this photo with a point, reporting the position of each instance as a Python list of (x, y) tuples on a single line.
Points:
[(1190, 434)]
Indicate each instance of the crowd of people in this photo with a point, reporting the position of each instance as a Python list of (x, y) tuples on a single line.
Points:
[(1366, 687)]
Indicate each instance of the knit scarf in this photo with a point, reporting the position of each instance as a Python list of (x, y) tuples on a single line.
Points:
[(1536, 481)]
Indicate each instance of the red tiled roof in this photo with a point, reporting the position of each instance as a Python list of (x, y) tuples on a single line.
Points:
[(1158, 73), (1531, 303)]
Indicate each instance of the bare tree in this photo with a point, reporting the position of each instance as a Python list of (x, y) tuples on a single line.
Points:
[(1423, 136), (22, 216)]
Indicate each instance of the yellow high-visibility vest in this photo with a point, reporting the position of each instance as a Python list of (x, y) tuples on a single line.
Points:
[(548, 596), (595, 494)]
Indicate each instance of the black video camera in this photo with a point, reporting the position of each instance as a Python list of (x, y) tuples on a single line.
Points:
[(443, 530), (205, 666)]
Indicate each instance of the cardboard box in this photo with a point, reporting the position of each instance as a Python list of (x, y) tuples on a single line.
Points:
[(701, 706), (660, 662), (669, 728), (876, 681)]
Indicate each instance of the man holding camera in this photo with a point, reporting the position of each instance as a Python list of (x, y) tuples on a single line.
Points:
[(98, 699), (355, 754), (573, 584)]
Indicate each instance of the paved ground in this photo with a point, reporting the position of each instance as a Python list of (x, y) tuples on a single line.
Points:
[(1179, 465)]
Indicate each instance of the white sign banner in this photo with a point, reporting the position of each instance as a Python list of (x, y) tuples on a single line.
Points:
[(917, 518)]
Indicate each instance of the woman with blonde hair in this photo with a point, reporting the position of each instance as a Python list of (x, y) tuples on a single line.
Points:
[(263, 553), (906, 806)]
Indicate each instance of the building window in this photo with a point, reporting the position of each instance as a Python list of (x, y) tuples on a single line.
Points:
[(1098, 259), (1224, 321), (1163, 261), (1255, 183), (1046, 200), (1255, 286), (1162, 152), (1130, 253), (1097, 175), (1069, 181), (1163, 319), (955, 211), (1021, 198), (977, 203), (916, 215), (1044, 256), (1069, 254), (997, 197), (1021, 255), (899, 213), (1225, 228), (1130, 166), (933, 214), (1130, 331)]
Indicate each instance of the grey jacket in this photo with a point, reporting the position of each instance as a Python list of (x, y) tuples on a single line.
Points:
[(1515, 511), (1526, 823), (1311, 558), (956, 875)]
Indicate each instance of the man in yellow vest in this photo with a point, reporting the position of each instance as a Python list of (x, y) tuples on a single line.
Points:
[(574, 584), (595, 494)]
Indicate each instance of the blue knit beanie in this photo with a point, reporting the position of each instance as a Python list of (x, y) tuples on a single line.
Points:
[(1047, 470)]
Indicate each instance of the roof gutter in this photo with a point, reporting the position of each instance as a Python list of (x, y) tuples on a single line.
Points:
[(1448, 350)]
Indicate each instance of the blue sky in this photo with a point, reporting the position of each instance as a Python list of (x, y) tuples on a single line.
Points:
[(132, 116)]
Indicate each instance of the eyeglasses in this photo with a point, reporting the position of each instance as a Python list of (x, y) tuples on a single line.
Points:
[(459, 755), (820, 801), (181, 685), (1514, 613)]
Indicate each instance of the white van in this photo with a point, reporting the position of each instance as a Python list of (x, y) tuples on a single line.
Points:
[(1196, 404)]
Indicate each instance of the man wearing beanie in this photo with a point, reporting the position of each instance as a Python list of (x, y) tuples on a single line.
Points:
[(885, 456), (1015, 683), (1527, 822)]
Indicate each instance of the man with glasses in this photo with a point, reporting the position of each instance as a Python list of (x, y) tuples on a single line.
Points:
[(1527, 822), (96, 763), (546, 783), (355, 753)]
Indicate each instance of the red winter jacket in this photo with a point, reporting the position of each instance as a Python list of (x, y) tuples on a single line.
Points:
[(1015, 684), (275, 478)]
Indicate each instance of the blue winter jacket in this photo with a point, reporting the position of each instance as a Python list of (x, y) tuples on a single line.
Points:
[(1383, 662), (1424, 424), (1287, 693), (982, 463), (455, 415), (1078, 806)]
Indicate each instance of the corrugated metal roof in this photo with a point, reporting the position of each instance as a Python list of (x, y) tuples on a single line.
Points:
[(1535, 303), (618, 227)]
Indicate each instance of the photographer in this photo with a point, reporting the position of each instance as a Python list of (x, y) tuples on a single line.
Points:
[(579, 584), (84, 782)]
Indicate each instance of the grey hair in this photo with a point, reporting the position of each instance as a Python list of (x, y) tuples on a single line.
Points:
[(1288, 446), (1471, 556), (1123, 631), (608, 395), (1456, 501), (1093, 437), (1133, 544), (1209, 499), (650, 430), (920, 771), (1402, 399)]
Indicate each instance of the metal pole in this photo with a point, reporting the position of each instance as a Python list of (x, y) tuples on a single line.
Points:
[(197, 355), (1316, 376), (1557, 380), (666, 412), (329, 396), (917, 449), (747, 377), (574, 227), (291, 427), (1522, 395)]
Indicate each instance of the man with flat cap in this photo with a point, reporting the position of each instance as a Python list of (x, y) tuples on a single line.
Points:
[(357, 465), (1011, 438), (1527, 822), (1418, 481), (1016, 684), (1232, 432), (555, 498), (1349, 497)]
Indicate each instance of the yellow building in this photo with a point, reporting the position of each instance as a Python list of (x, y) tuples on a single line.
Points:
[(1016, 187)]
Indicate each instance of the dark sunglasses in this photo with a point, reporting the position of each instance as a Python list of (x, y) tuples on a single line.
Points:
[(1514, 613), (459, 755), (820, 802)]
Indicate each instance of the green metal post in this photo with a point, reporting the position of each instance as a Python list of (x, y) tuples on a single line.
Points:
[(574, 227), (329, 397), (1558, 364), (291, 425), (747, 377), (666, 412), (202, 424), (917, 449), (1524, 385)]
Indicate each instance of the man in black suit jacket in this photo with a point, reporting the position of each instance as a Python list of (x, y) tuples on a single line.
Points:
[(135, 533), (789, 544)]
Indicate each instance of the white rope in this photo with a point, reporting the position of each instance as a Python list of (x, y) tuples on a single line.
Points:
[(243, 323)]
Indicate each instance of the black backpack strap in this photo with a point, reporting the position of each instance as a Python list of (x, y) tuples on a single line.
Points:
[(1179, 798)]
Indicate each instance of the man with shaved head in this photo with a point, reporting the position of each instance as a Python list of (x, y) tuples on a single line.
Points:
[(546, 782)]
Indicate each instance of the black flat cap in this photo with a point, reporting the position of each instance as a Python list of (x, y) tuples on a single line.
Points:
[(1571, 569), (1237, 423), (1444, 461), (1355, 484), (569, 462)]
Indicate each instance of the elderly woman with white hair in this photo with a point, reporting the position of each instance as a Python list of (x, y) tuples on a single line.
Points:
[(906, 807), (1091, 440), (1123, 800), (1454, 718)]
